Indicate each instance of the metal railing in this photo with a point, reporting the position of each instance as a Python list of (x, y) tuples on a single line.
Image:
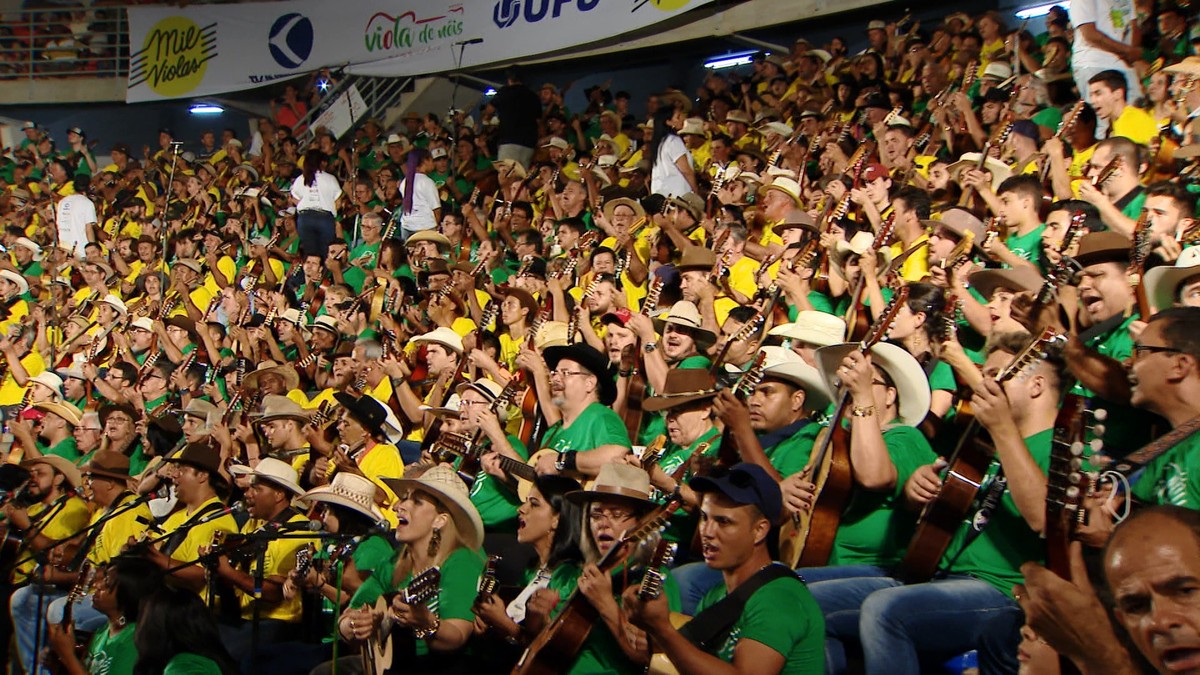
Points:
[(64, 42), (378, 93)]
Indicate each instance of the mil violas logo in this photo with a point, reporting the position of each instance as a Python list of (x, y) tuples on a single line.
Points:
[(174, 57), (387, 33)]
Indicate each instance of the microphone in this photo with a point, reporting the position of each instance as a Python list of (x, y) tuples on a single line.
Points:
[(472, 41)]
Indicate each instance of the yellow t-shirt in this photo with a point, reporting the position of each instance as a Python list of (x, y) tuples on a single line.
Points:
[(1135, 124), (200, 535), (227, 267), (115, 533), (742, 276), (66, 522), (277, 561), (10, 392), (916, 267)]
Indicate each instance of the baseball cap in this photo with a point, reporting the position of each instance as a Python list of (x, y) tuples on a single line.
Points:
[(745, 483)]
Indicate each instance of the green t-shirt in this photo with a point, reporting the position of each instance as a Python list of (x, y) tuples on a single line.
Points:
[(112, 654), (682, 524), (191, 664), (996, 555), (800, 639), (819, 301), (1173, 477), (791, 455), (1133, 209), (496, 503), (597, 425), (367, 255), (65, 448), (601, 654), (456, 594), (1126, 428), (876, 526), (1028, 246)]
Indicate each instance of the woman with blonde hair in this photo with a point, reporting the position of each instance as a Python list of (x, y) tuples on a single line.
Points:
[(438, 527)]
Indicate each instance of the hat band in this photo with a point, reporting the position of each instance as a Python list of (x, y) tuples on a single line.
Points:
[(682, 394), (356, 497), (620, 491)]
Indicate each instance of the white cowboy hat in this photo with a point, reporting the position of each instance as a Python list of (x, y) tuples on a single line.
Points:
[(1163, 282), (785, 364), (443, 484), (442, 336), (276, 471), (351, 491), (912, 385), (813, 327)]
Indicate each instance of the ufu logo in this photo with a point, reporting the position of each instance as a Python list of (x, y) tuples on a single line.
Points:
[(507, 12)]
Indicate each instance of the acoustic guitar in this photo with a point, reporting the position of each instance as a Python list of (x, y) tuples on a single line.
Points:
[(942, 517), (377, 652), (806, 539), (555, 649)]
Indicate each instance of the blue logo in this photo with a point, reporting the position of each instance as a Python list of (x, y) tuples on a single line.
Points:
[(506, 12), (291, 40)]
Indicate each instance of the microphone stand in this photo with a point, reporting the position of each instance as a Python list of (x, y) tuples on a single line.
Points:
[(462, 47)]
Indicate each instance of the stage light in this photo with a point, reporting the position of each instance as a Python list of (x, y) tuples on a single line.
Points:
[(729, 60), (1042, 10), (205, 109)]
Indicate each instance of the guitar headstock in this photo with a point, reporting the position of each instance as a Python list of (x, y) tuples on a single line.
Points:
[(1068, 483), (650, 302), (488, 581), (752, 377), (652, 581), (304, 560), (1034, 351), (1141, 244), (879, 329), (423, 587)]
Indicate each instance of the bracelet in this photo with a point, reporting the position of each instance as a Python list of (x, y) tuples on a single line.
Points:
[(566, 461), (863, 410), (427, 633)]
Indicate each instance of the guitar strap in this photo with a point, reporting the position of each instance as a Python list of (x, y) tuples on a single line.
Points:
[(710, 627), (176, 538), (983, 516), (1152, 450)]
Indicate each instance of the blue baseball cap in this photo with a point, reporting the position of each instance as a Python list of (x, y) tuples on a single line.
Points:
[(745, 483)]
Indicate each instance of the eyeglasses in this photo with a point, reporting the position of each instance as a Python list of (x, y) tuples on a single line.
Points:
[(565, 373), (1139, 350), (611, 515)]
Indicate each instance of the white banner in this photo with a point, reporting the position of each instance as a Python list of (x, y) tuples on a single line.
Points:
[(181, 52), (341, 115)]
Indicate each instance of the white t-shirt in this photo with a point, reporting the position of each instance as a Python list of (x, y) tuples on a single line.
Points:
[(666, 178), (75, 213), (425, 201), (1114, 18), (321, 195)]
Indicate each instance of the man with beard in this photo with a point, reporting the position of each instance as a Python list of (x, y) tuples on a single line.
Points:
[(684, 345), (196, 474), (56, 513), (271, 487), (282, 423), (56, 428), (589, 434)]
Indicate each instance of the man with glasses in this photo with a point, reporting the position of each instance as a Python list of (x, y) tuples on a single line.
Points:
[(497, 503), (1164, 373), (88, 434), (366, 254), (585, 433)]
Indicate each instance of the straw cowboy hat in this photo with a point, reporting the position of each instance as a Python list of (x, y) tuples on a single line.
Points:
[(786, 185), (785, 364), (814, 328), (686, 315), (60, 464), (276, 407), (291, 378), (489, 389), (1000, 171), (275, 471), (683, 386), (443, 484), (1163, 282), (858, 245), (206, 412), (68, 412), (618, 482), (612, 204), (912, 385), (349, 491), (442, 336)]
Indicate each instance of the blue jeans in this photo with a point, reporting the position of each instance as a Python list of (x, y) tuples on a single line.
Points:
[(87, 619), (840, 593), (695, 580), (316, 230), (27, 622), (939, 619)]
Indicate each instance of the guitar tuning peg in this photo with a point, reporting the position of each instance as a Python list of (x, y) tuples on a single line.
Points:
[(1076, 449), (1100, 414), (1096, 445), (1098, 429)]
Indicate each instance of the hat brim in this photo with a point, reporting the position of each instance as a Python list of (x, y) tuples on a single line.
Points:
[(1163, 282), (290, 377), (912, 385), (324, 494), (987, 281), (816, 393), (591, 359), (581, 497), (465, 515), (61, 464), (659, 403)]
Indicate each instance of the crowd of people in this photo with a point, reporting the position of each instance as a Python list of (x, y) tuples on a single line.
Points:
[(877, 362)]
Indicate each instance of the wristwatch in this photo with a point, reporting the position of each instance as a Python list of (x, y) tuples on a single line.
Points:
[(650, 347), (560, 462)]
